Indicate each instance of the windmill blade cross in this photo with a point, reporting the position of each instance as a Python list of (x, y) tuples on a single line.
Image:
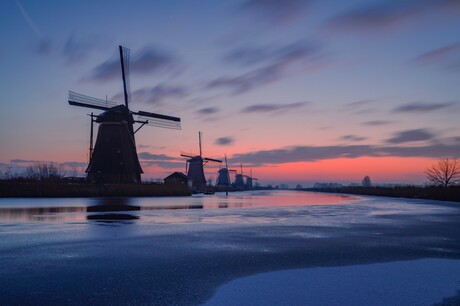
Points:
[(81, 100), (190, 155)]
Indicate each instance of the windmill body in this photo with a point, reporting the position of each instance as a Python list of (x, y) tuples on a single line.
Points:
[(239, 179), (248, 185), (223, 177), (196, 172), (114, 157)]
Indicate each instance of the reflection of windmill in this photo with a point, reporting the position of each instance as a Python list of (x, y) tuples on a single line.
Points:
[(194, 167), (114, 158), (223, 178)]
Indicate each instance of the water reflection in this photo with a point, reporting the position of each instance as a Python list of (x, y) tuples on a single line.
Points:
[(107, 206), (112, 217), (43, 214), (129, 209)]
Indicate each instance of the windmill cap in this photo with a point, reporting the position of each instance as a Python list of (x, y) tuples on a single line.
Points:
[(117, 113)]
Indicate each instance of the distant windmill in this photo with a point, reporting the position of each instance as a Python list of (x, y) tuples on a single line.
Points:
[(239, 179), (194, 167), (249, 181), (114, 157), (223, 178)]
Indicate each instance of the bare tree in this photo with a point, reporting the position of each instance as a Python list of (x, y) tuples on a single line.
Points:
[(44, 171), (366, 181), (445, 173)]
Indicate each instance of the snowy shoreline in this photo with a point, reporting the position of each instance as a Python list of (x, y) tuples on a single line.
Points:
[(414, 282)]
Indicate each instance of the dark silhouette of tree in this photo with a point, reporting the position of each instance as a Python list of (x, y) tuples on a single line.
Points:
[(44, 172), (366, 181), (445, 173)]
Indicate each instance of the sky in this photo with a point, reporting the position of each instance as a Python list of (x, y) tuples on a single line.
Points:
[(299, 91)]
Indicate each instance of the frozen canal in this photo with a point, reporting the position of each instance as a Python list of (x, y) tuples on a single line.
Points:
[(193, 250)]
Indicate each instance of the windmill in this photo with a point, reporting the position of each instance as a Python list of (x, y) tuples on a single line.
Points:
[(114, 157), (194, 167), (249, 181), (223, 177), (239, 179)]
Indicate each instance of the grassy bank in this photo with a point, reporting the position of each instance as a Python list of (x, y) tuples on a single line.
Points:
[(451, 193), (62, 189)]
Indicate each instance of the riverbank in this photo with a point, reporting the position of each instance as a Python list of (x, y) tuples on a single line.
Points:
[(62, 189), (451, 193)]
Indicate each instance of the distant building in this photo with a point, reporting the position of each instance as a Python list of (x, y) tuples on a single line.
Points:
[(177, 178)]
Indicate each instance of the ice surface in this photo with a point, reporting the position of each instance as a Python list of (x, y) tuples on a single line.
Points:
[(419, 282), (180, 250)]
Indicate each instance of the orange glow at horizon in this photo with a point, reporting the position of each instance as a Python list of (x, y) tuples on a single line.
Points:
[(379, 169)]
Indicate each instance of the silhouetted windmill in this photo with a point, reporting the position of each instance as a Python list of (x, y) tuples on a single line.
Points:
[(114, 158), (239, 179), (223, 177), (194, 167), (249, 181)]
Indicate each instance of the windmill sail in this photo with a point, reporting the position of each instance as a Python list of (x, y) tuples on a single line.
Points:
[(77, 99), (158, 120), (124, 60)]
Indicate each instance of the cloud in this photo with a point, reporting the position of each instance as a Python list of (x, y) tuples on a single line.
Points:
[(160, 160), (248, 81), (224, 141), (74, 164), (276, 11), (360, 107), (28, 161), (44, 47), (353, 138), (146, 61), (207, 110), (360, 103), (276, 64), (411, 135), (270, 108), (76, 49), (438, 54), (157, 157), (420, 107), (159, 93), (377, 122), (248, 55), (382, 14), (447, 57), (311, 153), (155, 95), (163, 164)]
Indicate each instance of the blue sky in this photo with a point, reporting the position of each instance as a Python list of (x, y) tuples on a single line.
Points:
[(276, 85)]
